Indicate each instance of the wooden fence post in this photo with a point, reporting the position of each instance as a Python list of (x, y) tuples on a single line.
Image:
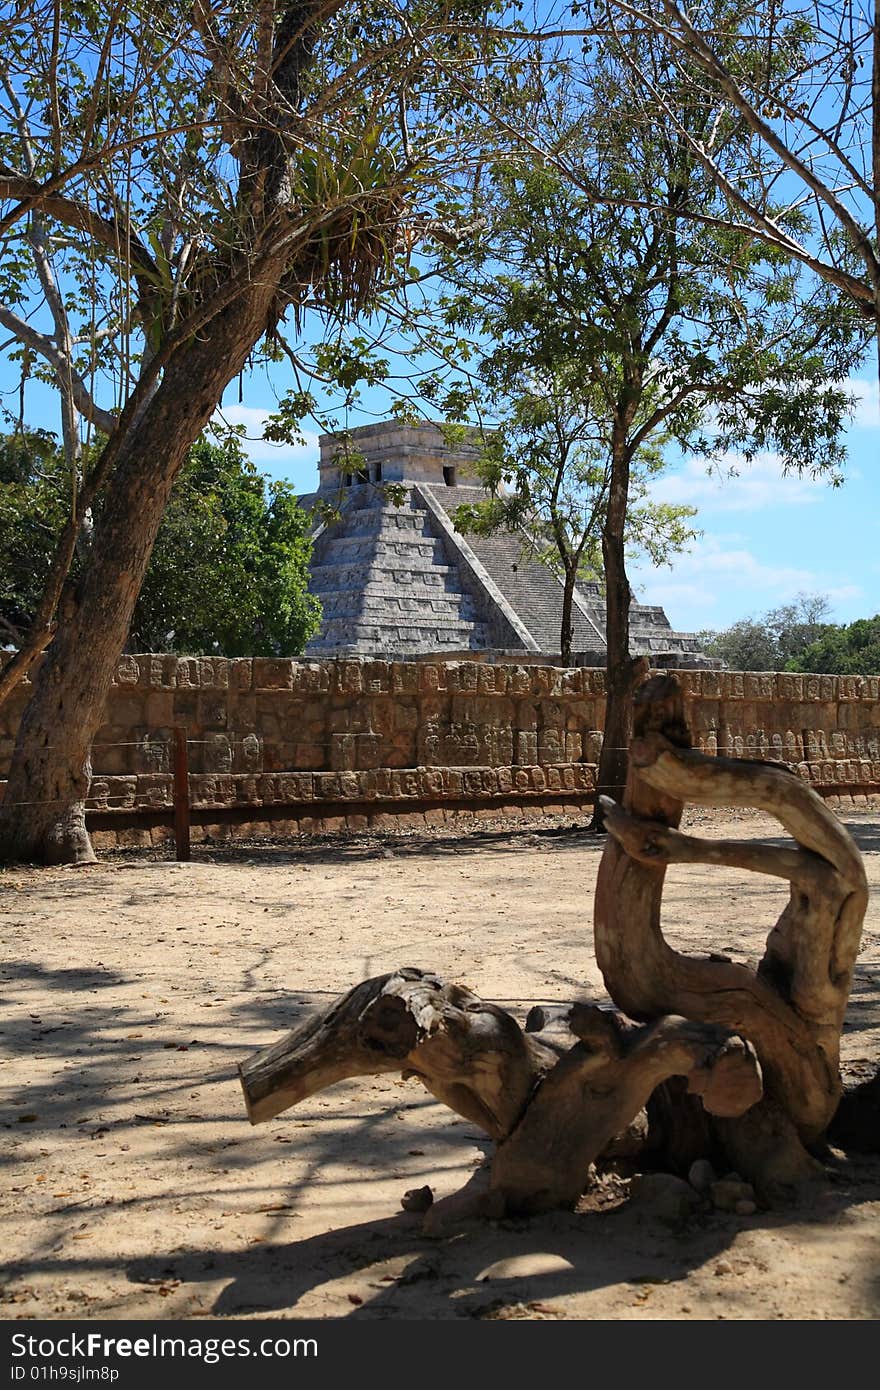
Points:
[(181, 795)]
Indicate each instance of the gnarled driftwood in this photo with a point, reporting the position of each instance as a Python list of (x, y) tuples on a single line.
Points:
[(555, 1109), (792, 1008)]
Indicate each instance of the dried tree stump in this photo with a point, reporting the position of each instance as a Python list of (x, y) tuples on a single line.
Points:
[(792, 1008), (471, 1055), (596, 1089), (560, 1104)]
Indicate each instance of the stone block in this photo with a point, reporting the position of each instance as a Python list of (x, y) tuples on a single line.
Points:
[(546, 680), (247, 753), (401, 752), (212, 789), (462, 677), (127, 671), (526, 715), (111, 757), (270, 673), (377, 677), (159, 709), (312, 756), (594, 681), (349, 677), (711, 684), (492, 680), (339, 719), (431, 782), (691, 683), (405, 678), (790, 687), (186, 706), (129, 709), (247, 790), (133, 839), (706, 714), (241, 674), (351, 786), (849, 687), (342, 752), (584, 777), (495, 745), (211, 708), (152, 754), (405, 784), (759, 685), (214, 754), (213, 672), (214, 832), (405, 715), (368, 750), (157, 672), (460, 746), (431, 677), (526, 748), (520, 680), (154, 791), (551, 746), (311, 677), (732, 685)]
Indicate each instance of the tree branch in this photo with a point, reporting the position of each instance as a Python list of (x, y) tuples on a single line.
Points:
[(63, 368)]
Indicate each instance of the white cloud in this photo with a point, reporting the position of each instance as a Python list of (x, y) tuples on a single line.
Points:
[(867, 412), (734, 485), (280, 457), (713, 586)]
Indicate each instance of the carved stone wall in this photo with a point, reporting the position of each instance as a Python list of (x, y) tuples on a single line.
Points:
[(328, 744)]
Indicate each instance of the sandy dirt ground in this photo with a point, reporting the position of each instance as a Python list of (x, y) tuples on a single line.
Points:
[(134, 1187)]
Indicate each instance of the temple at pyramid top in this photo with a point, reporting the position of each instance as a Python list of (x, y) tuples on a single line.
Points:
[(397, 579), (393, 453)]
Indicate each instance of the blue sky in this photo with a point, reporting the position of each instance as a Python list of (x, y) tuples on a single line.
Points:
[(765, 537)]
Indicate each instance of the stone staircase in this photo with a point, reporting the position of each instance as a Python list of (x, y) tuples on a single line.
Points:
[(386, 585)]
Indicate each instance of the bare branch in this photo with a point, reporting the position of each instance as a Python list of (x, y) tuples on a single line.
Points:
[(63, 368)]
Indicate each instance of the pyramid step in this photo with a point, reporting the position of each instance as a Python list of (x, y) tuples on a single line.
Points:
[(399, 637), (381, 552), (457, 605), (327, 577), (369, 544), (369, 521)]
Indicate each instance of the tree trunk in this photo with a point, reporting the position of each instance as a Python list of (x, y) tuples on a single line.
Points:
[(566, 634), (620, 670), (42, 818)]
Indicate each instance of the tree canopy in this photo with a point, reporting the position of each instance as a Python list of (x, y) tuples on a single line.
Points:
[(229, 571), (773, 640), (848, 649)]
